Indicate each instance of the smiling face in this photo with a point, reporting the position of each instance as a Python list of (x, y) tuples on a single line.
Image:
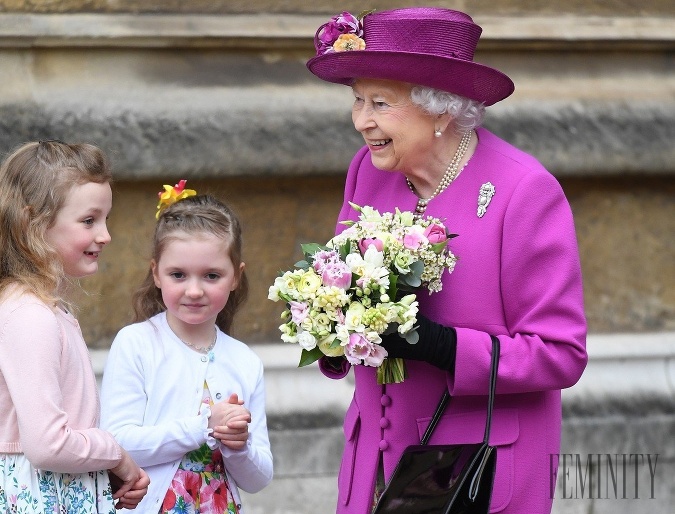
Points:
[(196, 276), (80, 231), (398, 133)]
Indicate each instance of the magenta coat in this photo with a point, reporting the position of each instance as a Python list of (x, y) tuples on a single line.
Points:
[(518, 277)]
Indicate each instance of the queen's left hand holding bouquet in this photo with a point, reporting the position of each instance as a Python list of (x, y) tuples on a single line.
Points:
[(361, 285)]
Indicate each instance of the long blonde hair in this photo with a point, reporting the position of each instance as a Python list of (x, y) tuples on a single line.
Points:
[(34, 182), (194, 215)]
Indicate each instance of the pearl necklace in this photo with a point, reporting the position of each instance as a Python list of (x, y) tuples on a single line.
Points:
[(450, 174), (201, 349)]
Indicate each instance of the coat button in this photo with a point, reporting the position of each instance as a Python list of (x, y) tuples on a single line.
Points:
[(218, 396), (385, 400), (384, 445), (384, 423)]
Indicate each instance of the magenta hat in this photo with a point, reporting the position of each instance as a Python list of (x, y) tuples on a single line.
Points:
[(427, 46)]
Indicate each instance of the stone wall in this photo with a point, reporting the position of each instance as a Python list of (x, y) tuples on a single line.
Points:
[(475, 7), (226, 102), (217, 92)]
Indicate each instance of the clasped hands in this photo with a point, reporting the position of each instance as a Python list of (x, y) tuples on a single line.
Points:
[(229, 422), (129, 483)]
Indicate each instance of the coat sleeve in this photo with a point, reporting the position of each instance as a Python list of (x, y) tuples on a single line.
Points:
[(544, 347), (124, 408), (30, 361), (252, 468)]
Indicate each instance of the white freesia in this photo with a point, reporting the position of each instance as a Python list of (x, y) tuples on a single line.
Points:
[(370, 268)]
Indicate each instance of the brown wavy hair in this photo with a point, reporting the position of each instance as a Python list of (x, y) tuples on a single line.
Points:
[(34, 182), (191, 215)]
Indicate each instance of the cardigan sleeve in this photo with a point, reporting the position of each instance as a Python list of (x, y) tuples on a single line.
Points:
[(31, 348), (124, 408), (545, 344)]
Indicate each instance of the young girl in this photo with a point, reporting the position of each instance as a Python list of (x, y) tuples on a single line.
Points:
[(54, 202), (183, 397)]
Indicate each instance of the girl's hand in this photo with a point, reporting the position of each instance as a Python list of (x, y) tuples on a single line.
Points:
[(230, 426), (234, 435), (133, 497), (222, 412), (129, 482)]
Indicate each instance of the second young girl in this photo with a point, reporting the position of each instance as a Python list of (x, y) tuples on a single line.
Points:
[(54, 202), (184, 398)]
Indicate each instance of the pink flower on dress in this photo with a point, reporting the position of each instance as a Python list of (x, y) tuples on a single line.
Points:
[(169, 501), (214, 496), (186, 484)]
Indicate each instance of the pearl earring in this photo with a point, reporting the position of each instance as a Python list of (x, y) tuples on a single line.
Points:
[(437, 133)]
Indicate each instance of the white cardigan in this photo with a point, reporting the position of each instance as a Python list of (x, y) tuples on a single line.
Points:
[(151, 395)]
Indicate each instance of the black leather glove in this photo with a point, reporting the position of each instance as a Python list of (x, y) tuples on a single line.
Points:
[(437, 345)]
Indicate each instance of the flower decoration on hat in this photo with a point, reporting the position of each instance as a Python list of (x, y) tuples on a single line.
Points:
[(172, 194), (343, 33)]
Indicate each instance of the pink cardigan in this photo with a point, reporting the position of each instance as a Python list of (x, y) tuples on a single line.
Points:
[(48, 393), (517, 277)]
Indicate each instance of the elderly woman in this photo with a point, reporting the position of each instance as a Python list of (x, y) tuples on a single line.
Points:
[(419, 99)]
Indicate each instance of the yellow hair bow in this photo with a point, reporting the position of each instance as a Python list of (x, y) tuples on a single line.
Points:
[(172, 194)]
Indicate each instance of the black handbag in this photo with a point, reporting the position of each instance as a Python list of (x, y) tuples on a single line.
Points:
[(445, 479)]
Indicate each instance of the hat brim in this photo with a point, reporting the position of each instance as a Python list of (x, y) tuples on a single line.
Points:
[(466, 78)]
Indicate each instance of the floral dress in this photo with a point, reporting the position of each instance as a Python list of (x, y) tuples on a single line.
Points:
[(27, 490), (200, 484)]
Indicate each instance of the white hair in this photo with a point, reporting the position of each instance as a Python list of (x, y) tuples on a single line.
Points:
[(466, 113)]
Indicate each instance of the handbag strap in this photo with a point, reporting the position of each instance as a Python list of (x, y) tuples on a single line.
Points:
[(494, 366), (445, 399), (436, 417)]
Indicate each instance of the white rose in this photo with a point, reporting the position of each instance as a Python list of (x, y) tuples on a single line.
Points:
[(306, 340)]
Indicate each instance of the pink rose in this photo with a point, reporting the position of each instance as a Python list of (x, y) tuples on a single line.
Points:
[(413, 240), (366, 243), (436, 233)]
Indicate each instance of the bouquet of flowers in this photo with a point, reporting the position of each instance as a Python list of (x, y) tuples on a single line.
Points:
[(361, 285)]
